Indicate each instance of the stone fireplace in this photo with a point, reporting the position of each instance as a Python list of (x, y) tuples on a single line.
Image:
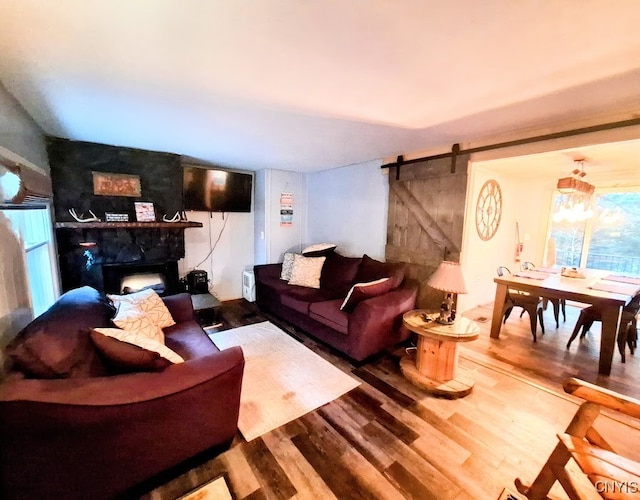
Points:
[(102, 257), (99, 253)]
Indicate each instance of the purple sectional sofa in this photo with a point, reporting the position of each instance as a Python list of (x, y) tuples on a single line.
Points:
[(79, 430), (374, 324)]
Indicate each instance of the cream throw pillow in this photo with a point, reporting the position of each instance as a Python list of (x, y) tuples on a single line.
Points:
[(306, 271), (150, 303), (133, 319), (132, 337)]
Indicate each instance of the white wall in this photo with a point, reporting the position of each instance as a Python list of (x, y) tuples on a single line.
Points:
[(272, 239), (232, 253), (527, 202), (348, 206), (260, 217), (248, 238), (19, 133)]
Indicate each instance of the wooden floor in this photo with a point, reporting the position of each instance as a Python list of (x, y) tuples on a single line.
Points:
[(388, 439)]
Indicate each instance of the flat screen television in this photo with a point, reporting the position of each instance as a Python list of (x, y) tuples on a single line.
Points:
[(215, 190)]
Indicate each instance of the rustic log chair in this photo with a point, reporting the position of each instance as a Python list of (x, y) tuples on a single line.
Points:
[(556, 303), (530, 303), (600, 471), (627, 331)]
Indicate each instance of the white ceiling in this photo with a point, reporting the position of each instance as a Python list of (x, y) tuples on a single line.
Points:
[(315, 84)]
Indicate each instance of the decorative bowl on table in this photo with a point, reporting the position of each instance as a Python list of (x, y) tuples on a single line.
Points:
[(572, 272)]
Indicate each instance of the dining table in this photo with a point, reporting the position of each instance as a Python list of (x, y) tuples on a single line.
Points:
[(609, 293)]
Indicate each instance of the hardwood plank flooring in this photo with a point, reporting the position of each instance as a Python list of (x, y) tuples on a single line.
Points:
[(389, 439)]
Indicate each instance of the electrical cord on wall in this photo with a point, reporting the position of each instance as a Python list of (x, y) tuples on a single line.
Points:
[(213, 247)]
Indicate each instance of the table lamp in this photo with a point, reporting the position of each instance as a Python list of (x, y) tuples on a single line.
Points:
[(448, 278)]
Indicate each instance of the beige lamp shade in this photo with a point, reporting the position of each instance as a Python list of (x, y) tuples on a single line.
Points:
[(448, 278)]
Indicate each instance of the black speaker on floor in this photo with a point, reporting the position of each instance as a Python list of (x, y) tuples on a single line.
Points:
[(198, 281)]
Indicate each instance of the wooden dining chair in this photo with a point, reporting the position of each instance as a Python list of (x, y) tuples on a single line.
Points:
[(627, 331), (557, 304), (532, 304), (598, 464)]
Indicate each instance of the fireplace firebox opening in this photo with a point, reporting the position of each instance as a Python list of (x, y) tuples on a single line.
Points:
[(132, 277)]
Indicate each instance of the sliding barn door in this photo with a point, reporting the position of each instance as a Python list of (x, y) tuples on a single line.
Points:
[(425, 221)]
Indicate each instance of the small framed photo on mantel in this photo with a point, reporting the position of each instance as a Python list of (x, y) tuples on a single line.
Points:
[(114, 217), (145, 211)]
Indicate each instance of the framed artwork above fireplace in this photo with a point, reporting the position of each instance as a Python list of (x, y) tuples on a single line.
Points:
[(109, 184)]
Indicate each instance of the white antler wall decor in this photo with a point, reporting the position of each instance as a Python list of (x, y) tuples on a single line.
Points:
[(175, 218), (93, 218)]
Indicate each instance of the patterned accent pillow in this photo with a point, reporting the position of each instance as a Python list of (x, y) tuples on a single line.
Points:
[(363, 291), (149, 302), (306, 271), (136, 339), (133, 319), (287, 266), (319, 250)]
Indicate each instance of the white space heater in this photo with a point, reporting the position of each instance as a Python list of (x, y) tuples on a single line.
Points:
[(249, 286)]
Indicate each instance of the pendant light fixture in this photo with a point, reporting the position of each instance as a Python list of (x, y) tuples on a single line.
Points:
[(575, 205)]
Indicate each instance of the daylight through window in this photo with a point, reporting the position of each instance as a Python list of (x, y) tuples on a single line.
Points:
[(33, 227), (607, 240)]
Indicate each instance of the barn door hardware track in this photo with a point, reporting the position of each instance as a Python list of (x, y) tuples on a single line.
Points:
[(456, 151)]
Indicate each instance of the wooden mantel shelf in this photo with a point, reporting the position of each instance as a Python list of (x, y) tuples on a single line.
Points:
[(126, 225)]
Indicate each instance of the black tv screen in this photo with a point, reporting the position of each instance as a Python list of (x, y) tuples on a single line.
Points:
[(215, 190)]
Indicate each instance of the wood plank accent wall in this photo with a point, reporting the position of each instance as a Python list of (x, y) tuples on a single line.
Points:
[(426, 218)]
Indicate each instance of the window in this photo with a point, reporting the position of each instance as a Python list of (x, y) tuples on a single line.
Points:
[(608, 240), (34, 229)]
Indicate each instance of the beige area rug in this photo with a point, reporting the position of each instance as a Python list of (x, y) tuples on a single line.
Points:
[(213, 490), (283, 379)]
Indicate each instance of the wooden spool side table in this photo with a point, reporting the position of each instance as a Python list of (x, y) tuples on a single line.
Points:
[(435, 365)]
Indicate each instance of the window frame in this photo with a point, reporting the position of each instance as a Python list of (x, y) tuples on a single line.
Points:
[(588, 228), (29, 247)]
